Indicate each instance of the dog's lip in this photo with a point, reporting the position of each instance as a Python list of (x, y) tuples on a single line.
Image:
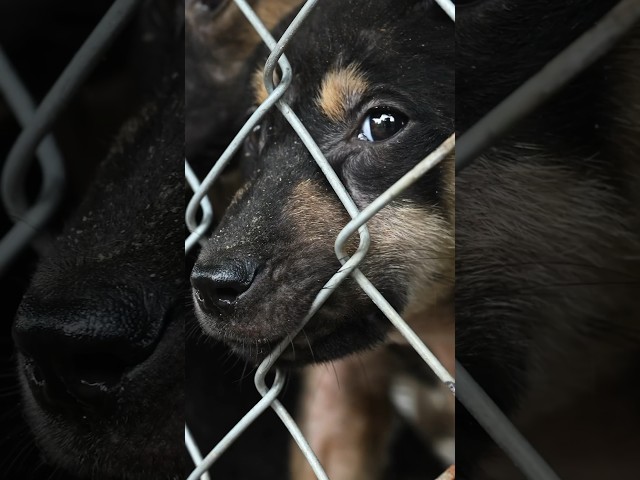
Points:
[(247, 340)]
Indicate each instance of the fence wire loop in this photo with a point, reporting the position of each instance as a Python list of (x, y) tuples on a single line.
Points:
[(350, 264), (30, 219)]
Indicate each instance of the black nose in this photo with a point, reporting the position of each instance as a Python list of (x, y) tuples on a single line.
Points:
[(76, 354), (217, 288)]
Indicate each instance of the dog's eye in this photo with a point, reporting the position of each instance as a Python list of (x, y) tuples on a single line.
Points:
[(381, 123)]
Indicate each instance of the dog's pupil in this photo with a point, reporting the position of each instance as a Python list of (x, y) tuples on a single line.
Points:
[(384, 125)]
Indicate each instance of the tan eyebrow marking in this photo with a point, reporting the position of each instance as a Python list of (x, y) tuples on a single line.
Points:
[(259, 90), (260, 93), (340, 90)]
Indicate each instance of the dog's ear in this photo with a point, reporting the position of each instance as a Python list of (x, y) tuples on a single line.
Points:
[(219, 33)]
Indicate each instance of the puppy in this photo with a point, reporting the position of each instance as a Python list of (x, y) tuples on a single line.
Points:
[(99, 332), (376, 93), (548, 243)]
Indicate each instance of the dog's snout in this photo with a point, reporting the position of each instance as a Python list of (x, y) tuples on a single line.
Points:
[(79, 354), (218, 287)]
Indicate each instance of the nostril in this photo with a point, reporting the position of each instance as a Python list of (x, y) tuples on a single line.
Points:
[(214, 298), (217, 288), (86, 379), (100, 370), (80, 355), (228, 295)]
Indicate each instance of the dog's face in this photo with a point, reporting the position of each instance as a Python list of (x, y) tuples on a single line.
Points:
[(100, 330), (376, 94)]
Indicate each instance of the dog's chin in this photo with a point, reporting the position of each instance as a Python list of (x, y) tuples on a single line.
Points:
[(347, 337), (131, 439)]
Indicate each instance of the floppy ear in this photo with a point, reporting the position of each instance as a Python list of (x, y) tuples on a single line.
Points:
[(223, 29)]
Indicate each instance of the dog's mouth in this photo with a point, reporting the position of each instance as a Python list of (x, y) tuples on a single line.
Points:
[(311, 345)]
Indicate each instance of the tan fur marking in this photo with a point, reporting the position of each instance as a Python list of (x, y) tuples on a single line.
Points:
[(413, 235), (260, 93), (339, 91), (403, 234), (317, 216), (259, 90)]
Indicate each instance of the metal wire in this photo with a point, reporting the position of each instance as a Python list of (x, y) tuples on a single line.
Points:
[(384, 199), (582, 53), (557, 73), (349, 266), (501, 430), (28, 220), (35, 137), (205, 206), (23, 107)]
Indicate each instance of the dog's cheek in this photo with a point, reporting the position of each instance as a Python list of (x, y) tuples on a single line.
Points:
[(412, 253), (314, 217)]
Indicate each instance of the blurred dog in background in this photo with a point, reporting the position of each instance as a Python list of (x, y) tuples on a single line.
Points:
[(548, 243)]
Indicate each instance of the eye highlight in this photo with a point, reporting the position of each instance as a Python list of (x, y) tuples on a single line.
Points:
[(381, 123)]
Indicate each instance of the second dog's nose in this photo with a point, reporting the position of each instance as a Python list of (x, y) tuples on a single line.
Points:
[(77, 352), (217, 288)]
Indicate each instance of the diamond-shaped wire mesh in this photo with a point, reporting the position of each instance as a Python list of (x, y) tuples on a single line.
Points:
[(37, 124), (29, 219), (350, 264)]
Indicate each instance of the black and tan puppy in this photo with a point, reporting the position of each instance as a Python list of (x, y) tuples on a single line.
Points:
[(99, 332), (376, 93), (548, 243)]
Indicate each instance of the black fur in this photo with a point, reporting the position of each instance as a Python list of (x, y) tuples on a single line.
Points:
[(113, 285), (547, 237), (405, 52)]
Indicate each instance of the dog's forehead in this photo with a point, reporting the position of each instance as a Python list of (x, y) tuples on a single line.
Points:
[(385, 37), (392, 50)]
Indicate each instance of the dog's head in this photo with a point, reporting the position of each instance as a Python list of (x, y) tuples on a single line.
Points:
[(100, 330), (375, 92)]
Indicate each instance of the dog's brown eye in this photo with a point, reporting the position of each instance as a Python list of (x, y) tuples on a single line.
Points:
[(381, 124)]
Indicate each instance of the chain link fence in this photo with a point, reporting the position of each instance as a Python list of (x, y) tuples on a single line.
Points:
[(29, 218), (349, 264), (556, 74)]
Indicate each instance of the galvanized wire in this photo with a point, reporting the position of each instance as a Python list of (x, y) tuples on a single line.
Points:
[(573, 60), (205, 207), (583, 52), (28, 220), (349, 266), (378, 204), (501, 430), (23, 107), (193, 450)]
